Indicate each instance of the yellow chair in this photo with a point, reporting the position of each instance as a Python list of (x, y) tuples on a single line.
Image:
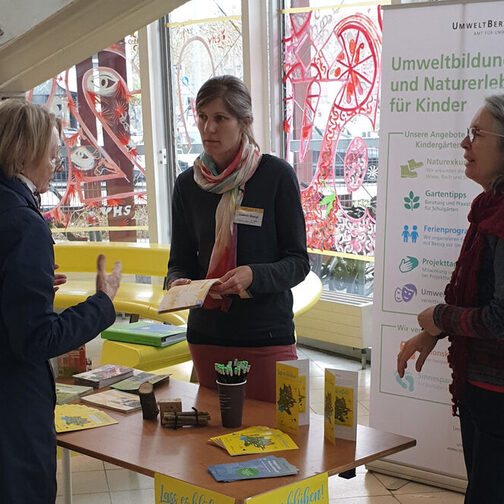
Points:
[(142, 300), (139, 300)]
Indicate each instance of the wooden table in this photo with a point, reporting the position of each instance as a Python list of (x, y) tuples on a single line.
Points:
[(185, 454)]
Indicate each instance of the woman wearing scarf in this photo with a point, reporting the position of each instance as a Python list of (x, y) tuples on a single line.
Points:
[(237, 216), (473, 316)]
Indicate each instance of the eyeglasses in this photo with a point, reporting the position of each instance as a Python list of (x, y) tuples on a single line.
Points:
[(57, 163), (473, 131)]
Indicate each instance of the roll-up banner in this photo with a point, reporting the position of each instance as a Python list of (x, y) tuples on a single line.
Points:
[(439, 62)]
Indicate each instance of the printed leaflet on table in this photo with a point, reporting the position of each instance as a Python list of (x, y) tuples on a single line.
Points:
[(340, 404), (115, 399), (257, 439), (292, 394), (72, 417), (264, 467)]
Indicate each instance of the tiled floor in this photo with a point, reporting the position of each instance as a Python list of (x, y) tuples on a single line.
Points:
[(96, 482)]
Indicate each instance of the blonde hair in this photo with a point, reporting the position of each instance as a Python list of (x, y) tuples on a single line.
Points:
[(235, 96), (25, 133)]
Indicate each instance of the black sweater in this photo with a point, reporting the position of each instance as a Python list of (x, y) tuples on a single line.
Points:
[(276, 253)]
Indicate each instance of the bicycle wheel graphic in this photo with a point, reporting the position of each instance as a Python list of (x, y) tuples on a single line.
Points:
[(355, 66)]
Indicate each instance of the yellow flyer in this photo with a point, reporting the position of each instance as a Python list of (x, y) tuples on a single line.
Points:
[(313, 490), (329, 406), (343, 406), (340, 404), (257, 439), (168, 490), (72, 417), (302, 394), (287, 398)]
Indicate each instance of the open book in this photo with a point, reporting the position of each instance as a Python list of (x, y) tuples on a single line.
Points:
[(191, 295)]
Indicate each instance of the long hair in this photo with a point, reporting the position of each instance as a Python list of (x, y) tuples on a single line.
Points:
[(235, 96)]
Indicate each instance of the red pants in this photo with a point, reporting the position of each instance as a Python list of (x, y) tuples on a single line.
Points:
[(262, 375)]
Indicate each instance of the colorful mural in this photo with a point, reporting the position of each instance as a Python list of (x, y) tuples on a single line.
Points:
[(101, 143), (335, 59)]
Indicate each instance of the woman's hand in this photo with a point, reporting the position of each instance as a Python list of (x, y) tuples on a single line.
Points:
[(423, 342), (178, 281), (59, 278), (426, 321), (108, 283), (235, 281)]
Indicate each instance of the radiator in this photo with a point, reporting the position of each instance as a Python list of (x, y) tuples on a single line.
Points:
[(338, 318)]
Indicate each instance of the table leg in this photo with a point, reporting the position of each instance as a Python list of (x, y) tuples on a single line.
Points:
[(67, 476), (363, 358)]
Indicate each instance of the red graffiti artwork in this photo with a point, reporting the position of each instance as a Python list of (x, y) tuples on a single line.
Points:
[(330, 56)]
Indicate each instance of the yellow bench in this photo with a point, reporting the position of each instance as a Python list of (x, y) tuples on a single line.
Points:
[(140, 300), (306, 294)]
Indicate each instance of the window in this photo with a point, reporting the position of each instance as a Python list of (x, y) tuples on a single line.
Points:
[(331, 74), (101, 193), (208, 45)]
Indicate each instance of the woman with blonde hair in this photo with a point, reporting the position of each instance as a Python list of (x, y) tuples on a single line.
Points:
[(237, 216), (31, 332)]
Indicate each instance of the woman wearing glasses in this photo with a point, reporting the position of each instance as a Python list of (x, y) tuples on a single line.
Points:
[(30, 331), (473, 315)]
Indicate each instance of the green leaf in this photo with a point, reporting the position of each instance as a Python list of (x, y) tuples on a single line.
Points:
[(411, 194), (326, 200)]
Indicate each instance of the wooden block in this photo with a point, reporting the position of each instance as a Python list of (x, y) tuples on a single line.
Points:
[(169, 406), (148, 401)]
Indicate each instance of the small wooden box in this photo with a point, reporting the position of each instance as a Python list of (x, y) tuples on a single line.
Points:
[(169, 406)]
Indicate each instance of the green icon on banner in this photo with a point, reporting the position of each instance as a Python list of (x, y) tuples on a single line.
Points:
[(411, 202), (408, 170), (408, 264)]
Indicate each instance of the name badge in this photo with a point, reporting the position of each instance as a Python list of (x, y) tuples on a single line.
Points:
[(249, 216)]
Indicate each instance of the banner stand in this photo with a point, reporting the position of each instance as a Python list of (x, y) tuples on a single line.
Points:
[(419, 475), (439, 62)]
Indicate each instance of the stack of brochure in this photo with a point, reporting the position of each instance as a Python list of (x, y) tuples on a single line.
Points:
[(138, 377), (257, 439), (103, 376), (265, 467), (67, 393)]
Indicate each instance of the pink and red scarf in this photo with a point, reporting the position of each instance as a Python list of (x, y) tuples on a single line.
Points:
[(231, 184)]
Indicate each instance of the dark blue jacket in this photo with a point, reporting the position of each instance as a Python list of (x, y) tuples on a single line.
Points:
[(30, 334)]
